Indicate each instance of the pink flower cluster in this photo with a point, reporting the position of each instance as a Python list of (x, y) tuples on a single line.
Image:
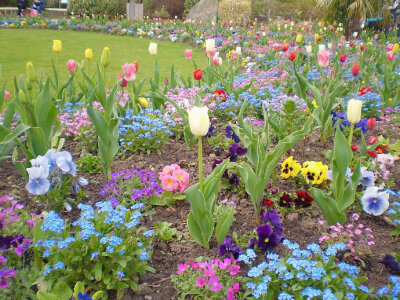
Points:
[(209, 278), (384, 161), (357, 237), (173, 178)]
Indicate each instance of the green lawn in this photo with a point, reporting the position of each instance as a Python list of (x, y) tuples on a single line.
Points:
[(20, 46)]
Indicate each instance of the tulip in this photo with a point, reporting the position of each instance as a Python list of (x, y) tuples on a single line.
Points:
[(371, 123), (353, 115), (292, 56), (390, 56), (355, 70), (299, 38), (188, 54), (308, 49), (343, 57), (321, 48), (285, 47), (57, 46), (210, 45), (354, 111), (71, 66), (198, 74), (30, 71), (105, 57), (323, 59), (215, 61), (130, 72), (199, 122), (153, 48), (144, 102), (124, 83), (6, 95), (355, 34), (88, 53), (396, 48), (239, 50), (234, 54)]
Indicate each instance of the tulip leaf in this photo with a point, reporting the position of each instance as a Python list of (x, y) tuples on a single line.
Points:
[(342, 152), (223, 225), (328, 206)]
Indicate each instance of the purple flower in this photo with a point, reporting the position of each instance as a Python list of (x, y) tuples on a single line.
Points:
[(234, 151), (229, 248), (230, 134), (273, 217), (267, 238), (391, 262), (234, 180)]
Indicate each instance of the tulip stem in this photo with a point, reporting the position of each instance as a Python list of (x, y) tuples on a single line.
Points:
[(351, 133), (201, 162)]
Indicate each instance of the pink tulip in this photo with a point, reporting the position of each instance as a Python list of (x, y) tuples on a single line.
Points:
[(323, 59), (215, 61), (376, 36), (211, 54), (343, 38), (390, 55), (390, 47), (71, 66), (340, 46), (7, 95), (234, 54), (270, 43), (188, 54), (130, 72)]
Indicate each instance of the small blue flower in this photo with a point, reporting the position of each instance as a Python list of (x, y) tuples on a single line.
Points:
[(94, 255), (144, 255), (47, 271), (285, 296), (148, 233), (120, 274), (60, 265)]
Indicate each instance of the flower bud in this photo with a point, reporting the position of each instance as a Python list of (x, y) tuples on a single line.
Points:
[(71, 66), (30, 71), (354, 111), (88, 53), (153, 48), (21, 96), (198, 74), (57, 46), (371, 123), (105, 57), (199, 122)]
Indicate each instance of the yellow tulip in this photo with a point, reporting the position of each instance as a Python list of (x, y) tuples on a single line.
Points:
[(299, 38), (105, 57), (143, 102), (396, 48), (57, 46), (88, 53)]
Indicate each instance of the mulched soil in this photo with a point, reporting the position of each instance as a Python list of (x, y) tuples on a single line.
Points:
[(299, 226)]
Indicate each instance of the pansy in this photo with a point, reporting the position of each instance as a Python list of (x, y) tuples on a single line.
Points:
[(229, 248), (391, 262), (267, 238), (374, 202), (38, 183)]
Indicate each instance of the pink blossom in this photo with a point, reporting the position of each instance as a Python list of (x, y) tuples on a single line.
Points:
[(169, 183), (71, 66), (214, 283), (323, 59), (209, 272), (6, 95), (181, 268), (188, 54), (201, 281), (234, 270), (130, 72)]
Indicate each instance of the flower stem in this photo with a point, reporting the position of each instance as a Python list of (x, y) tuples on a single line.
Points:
[(351, 133), (201, 162)]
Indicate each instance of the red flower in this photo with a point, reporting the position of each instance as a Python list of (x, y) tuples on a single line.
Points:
[(267, 202), (292, 56), (371, 123), (380, 149), (220, 94), (373, 154), (373, 140), (319, 39), (363, 91), (355, 70), (285, 200), (198, 74), (362, 47), (136, 64), (354, 148), (304, 199), (343, 57), (256, 37), (285, 47), (293, 44)]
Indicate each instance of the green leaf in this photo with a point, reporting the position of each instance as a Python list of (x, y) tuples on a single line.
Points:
[(97, 295), (79, 288), (328, 206), (342, 152), (42, 295), (97, 271), (223, 225), (62, 291)]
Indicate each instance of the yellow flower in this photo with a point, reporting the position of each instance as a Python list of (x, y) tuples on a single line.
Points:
[(143, 102), (105, 57), (57, 46), (390, 100), (299, 38), (244, 62), (310, 173), (396, 48), (314, 103), (290, 168), (316, 36), (88, 53)]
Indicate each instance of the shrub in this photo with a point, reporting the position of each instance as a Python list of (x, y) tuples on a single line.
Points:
[(188, 5), (234, 10), (111, 8)]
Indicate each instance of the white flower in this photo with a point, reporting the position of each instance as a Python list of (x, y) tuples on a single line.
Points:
[(355, 33), (210, 45), (239, 50), (41, 161), (309, 49), (153, 48), (354, 111), (199, 122), (321, 48), (375, 203)]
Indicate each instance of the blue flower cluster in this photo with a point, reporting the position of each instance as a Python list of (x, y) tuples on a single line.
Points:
[(305, 272), (148, 127)]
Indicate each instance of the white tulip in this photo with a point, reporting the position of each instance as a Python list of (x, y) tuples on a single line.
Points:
[(199, 122), (153, 48), (210, 45)]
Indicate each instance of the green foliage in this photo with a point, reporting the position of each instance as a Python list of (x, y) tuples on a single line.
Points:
[(162, 13), (257, 173), (165, 232), (188, 5), (334, 208), (89, 164), (202, 202), (110, 8)]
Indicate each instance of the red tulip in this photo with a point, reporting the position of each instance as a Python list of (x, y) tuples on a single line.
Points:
[(343, 57), (319, 39), (390, 55), (292, 56), (354, 148), (371, 123), (198, 74), (362, 47), (285, 47), (355, 70)]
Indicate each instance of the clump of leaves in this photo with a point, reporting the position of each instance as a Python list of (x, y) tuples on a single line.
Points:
[(165, 232)]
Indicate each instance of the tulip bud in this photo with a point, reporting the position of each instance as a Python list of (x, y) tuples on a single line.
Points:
[(355, 70), (71, 66), (210, 45), (371, 123), (323, 59), (285, 47), (88, 54), (188, 54), (198, 74), (21, 96), (57, 46), (292, 56), (6, 95), (153, 48), (321, 48), (105, 57), (199, 121), (299, 38), (354, 111), (343, 57), (308, 49), (239, 50), (30, 71)]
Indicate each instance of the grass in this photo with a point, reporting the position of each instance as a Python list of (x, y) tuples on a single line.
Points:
[(21, 46)]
